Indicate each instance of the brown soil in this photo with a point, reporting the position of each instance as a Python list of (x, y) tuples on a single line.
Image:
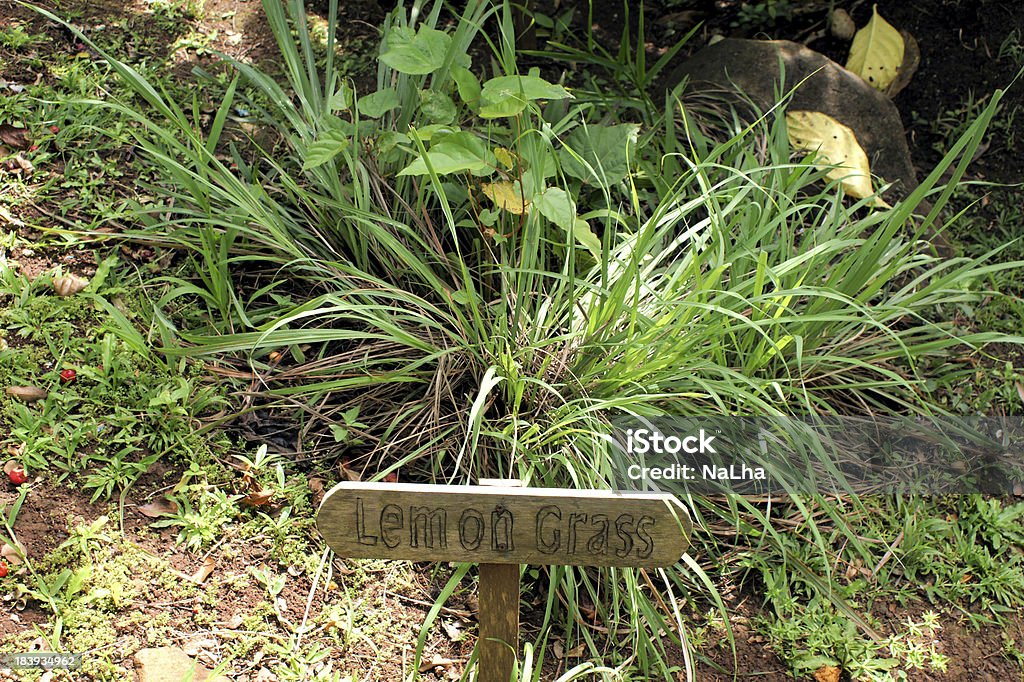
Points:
[(202, 624)]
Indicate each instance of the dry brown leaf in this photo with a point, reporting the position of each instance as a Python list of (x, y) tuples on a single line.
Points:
[(1020, 390), (436, 661), (29, 394), (234, 622), (5, 216), (196, 646), (69, 285), (258, 498), (316, 485), (16, 138), (19, 165), (911, 60), (349, 474), (161, 506), (204, 571), (452, 630), (827, 673), (12, 555)]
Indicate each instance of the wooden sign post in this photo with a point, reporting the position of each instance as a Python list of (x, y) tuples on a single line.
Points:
[(500, 526), (498, 617)]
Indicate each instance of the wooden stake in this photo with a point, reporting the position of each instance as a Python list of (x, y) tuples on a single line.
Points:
[(498, 644), (499, 622)]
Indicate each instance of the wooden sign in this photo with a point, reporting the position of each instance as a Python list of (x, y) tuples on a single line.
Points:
[(499, 525), (503, 525)]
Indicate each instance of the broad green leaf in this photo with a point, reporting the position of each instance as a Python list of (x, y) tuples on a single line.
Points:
[(379, 103), (556, 205), (427, 133), (415, 52), (605, 149), (340, 127), (877, 52), (390, 139), (509, 95), (507, 195), (488, 217), (585, 236), (324, 149), (833, 145), (437, 106), (453, 153), (342, 99), (467, 84)]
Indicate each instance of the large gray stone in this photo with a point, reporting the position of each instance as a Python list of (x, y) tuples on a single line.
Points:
[(752, 67)]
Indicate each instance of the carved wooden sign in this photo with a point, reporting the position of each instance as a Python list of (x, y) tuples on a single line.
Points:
[(503, 525)]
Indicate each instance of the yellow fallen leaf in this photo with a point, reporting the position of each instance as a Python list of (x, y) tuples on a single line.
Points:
[(507, 195), (876, 52), (834, 145), (505, 157)]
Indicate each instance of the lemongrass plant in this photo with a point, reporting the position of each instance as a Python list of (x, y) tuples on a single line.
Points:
[(492, 272)]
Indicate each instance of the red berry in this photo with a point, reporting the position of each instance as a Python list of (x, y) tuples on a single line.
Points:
[(392, 477), (67, 376), (3, 568), (33, 148), (54, 129), (17, 476)]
